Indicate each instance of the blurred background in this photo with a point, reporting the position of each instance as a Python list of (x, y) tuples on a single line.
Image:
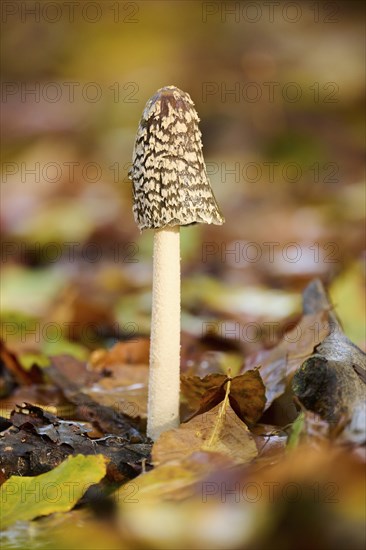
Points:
[(279, 89)]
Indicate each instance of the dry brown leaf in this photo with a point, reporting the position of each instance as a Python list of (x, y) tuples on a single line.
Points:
[(246, 397), (279, 364), (11, 363), (82, 307), (132, 353), (124, 390), (219, 430), (195, 388)]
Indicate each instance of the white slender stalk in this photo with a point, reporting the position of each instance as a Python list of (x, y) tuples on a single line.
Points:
[(164, 375)]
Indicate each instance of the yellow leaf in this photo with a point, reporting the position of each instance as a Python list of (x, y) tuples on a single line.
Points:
[(25, 498)]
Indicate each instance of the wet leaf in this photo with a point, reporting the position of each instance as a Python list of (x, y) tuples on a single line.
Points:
[(38, 441)]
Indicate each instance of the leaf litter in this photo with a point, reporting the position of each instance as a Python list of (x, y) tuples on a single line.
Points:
[(237, 431)]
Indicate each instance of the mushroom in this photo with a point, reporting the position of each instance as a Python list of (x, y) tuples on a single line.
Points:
[(171, 188)]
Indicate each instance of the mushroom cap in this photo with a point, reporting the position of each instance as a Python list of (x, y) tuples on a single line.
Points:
[(170, 182)]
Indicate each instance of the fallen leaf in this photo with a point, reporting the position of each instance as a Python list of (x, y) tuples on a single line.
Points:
[(38, 441), (296, 429), (132, 353), (14, 367), (82, 307), (28, 291), (200, 392), (41, 395), (246, 397), (208, 353), (174, 480), (123, 380), (279, 364), (169, 498), (219, 430), (271, 443), (247, 506), (299, 342), (26, 498), (124, 390), (106, 419), (238, 300), (62, 532)]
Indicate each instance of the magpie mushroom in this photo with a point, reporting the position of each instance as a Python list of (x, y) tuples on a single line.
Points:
[(170, 188)]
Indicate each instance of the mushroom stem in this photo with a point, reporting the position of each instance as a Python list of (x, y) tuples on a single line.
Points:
[(164, 375)]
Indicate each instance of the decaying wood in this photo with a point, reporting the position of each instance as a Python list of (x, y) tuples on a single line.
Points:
[(330, 382)]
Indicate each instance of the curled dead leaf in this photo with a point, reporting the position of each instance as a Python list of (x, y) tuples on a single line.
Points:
[(219, 430), (246, 396)]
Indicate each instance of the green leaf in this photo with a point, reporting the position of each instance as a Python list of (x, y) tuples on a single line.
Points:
[(25, 498), (28, 291), (64, 346), (27, 360), (296, 430)]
